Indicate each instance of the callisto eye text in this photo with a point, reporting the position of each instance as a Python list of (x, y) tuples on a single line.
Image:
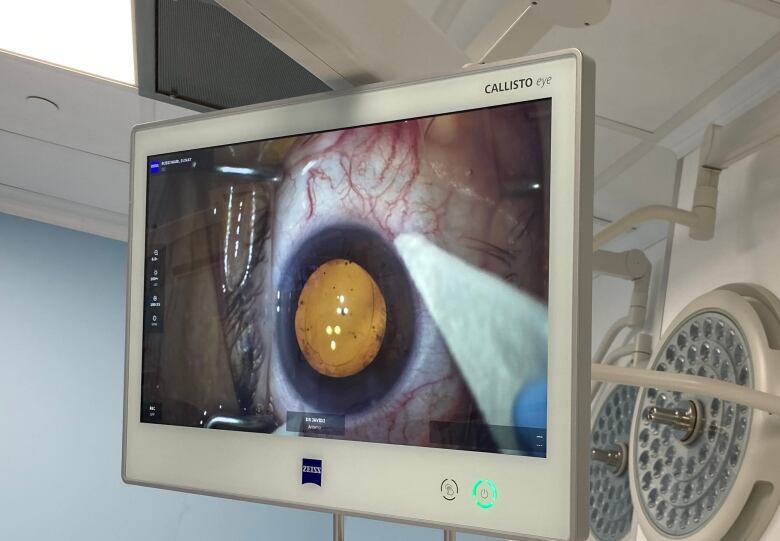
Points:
[(513, 84)]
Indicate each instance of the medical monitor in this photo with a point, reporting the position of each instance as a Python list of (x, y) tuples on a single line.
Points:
[(372, 302)]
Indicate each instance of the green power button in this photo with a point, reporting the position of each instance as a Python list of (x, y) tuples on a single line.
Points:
[(485, 493)]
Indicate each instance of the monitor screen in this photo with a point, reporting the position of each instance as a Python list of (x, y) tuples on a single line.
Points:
[(386, 283), (373, 301)]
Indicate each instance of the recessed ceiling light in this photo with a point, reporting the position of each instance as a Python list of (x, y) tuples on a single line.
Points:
[(42, 103), (91, 36)]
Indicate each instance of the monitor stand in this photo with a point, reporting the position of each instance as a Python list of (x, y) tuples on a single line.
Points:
[(338, 529)]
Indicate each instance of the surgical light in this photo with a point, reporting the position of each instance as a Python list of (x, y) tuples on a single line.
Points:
[(611, 510), (698, 463)]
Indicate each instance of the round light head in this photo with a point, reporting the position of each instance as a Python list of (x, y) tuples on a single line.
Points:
[(695, 460), (682, 483), (611, 510)]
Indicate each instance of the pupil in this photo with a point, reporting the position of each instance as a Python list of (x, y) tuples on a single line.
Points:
[(396, 346), (340, 319)]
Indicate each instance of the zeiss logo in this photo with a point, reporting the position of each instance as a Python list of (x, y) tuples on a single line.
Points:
[(311, 471), (154, 167)]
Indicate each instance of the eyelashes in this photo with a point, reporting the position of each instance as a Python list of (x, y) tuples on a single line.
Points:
[(489, 249), (240, 240), (506, 254)]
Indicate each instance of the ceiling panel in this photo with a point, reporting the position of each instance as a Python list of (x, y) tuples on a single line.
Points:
[(94, 115), (760, 84), (60, 172), (472, 16), (653, 57), (649, 181), (610, 146), (69, 166), (164, 111)]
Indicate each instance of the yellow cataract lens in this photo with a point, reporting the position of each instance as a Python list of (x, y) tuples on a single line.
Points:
[(340, 320)]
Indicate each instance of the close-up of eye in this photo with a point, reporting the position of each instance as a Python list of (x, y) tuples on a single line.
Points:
[(331, 263)]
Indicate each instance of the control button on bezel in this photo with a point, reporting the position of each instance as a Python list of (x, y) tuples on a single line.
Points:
[(485, 493), (449, 489)]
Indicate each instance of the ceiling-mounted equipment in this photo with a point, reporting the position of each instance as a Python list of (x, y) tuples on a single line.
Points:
[(354, 42), (207, 54), (196, 54), (702, 467), (721, 147), (529, 22)]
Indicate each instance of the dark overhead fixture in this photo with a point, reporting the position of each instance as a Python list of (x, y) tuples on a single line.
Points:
[(195, 54)]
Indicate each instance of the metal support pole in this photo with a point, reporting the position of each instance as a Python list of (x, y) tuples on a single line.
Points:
[(338, 527)]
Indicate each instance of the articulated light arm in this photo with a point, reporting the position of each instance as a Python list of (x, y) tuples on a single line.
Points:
[(639, 216), (684, 383), (630, 265), (721, 147), (700, 220), (609, 338), (639, 349)]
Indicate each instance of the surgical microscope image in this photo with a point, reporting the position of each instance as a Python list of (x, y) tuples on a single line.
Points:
[(385, 283)]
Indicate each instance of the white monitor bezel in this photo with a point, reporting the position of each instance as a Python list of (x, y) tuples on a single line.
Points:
[(538, 498)]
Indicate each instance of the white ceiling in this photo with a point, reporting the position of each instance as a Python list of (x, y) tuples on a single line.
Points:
[(665, 70), (654, 56), (68, 166)]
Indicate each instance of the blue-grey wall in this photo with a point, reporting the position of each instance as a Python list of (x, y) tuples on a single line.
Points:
[(62, 299)]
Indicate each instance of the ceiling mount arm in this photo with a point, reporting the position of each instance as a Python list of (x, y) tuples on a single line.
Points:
[(700, 220), (721, 147), (515, 29)]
